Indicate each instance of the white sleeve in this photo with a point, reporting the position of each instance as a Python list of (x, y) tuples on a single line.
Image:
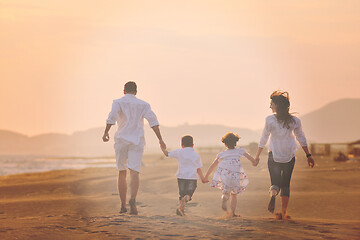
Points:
[(174, 154), (151, 117), (265, 134), (198, 162), (299, 134), (241, 151), (114, 114)]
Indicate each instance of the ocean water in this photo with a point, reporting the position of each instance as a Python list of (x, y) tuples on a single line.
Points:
[(11, 164)]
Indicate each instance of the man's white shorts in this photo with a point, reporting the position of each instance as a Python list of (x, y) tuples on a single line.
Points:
[(128, 155)]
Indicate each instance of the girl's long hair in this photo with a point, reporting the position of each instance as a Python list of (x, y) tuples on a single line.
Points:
[(281, 99)]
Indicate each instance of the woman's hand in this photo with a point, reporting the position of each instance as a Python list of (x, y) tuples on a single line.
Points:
[(311, 162)]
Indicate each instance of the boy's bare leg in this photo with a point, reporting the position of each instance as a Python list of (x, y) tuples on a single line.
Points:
[(180, 210), (122, 189), (134, 187), (233, 202)]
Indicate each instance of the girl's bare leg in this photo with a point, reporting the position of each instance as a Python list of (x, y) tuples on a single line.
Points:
[(233, 202), (224, 200)]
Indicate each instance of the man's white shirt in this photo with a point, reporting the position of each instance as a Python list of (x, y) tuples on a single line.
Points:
[(129, 113)]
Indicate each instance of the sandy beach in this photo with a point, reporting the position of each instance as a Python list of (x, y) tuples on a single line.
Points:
[(84, 204)]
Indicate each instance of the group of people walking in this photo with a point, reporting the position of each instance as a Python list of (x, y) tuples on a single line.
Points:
[(281, 127)]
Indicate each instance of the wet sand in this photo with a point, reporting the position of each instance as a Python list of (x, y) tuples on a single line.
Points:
[(84, 204)]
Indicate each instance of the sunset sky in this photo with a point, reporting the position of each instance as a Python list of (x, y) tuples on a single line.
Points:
[(198, 62)]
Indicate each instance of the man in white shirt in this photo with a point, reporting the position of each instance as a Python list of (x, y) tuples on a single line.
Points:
[(129, 113)]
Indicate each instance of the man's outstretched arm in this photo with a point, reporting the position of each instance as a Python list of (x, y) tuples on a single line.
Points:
[(156, 130), (106, 136)]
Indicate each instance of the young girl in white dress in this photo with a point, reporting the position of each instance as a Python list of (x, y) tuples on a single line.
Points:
[(230, 177)]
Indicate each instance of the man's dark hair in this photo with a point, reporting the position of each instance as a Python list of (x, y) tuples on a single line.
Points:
[(187, 141), (130, 87)]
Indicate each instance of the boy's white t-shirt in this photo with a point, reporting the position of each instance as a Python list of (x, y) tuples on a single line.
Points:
[(189, 162)]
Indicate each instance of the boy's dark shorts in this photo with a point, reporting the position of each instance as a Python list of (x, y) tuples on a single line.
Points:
[(186, 187)]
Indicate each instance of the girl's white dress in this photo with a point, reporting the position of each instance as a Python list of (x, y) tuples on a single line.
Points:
[(230, 177)]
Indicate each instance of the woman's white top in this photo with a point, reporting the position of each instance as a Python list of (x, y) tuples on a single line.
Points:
[(189, 162), (282, 140)]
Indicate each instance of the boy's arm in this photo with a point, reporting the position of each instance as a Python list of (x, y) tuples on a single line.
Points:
[(166, 153), (201, 175), (251, 159)]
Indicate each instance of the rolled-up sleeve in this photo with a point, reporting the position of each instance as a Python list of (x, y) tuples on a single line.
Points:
[(265, 134), (299, 134), (114, 114), (151, 117)]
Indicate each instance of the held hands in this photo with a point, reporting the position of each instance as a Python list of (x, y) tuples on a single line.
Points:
[(205, 180), (311, 162), (256, 161), (106, 137)]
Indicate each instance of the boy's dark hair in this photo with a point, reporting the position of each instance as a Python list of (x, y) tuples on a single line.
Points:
[(230, 139), (130, 87), (187, 141)]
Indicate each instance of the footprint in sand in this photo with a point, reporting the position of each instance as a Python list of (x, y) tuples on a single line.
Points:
[(310, 227)]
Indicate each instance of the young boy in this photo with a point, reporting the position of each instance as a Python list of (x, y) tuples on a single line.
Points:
[(188, 171)]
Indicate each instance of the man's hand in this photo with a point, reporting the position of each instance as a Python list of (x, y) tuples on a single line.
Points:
[(106, 137), (311, 162), (162, 144)]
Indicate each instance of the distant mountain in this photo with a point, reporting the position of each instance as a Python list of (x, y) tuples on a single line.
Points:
[(336, 122), (204, 135), (89, 143)]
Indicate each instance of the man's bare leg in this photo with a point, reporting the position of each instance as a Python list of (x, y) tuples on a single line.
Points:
[(134, 187), (122, 189)]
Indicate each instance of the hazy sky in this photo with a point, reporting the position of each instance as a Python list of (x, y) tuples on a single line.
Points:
[(63, 62)]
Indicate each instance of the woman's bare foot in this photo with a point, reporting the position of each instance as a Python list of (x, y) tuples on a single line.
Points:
[(271, 206)]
